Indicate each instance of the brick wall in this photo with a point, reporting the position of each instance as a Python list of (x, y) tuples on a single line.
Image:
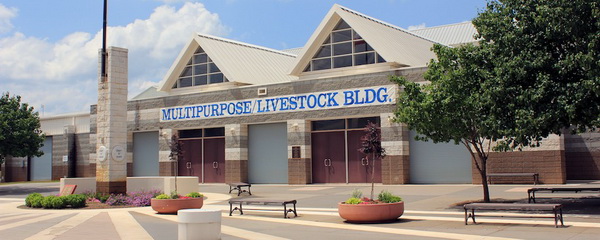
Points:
[(550, 166), (582, 153)]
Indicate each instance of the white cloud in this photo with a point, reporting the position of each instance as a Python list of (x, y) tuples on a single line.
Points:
[(415, 27), (62, 75), (5, 15)]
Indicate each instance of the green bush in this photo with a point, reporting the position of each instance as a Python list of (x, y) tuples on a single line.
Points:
[(174, 195), (163, 196), (357, 193), (194, 195), (387, 197), (34, 200), (75, 200), (53, 202), (353, 200)]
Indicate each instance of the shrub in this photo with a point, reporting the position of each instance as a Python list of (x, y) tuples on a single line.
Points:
[(174, 195), (34, 200), (357, 193), (194, 195), (353, 200), (163, 196), (53, 202), (75, 200), (140, 199), (387, 197), (117, 200)]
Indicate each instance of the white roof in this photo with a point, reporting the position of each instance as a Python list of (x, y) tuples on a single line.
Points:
[(393, 43), (239, 62), (452, 34)]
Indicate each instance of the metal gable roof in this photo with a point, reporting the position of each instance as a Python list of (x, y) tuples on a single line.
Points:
[(239, 62), (393, 43), (451, 34)]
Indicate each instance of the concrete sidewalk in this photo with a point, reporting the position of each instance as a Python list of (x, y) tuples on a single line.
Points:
[(429, 215)]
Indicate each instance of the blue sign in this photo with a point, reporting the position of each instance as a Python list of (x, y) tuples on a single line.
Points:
[(280, 104)]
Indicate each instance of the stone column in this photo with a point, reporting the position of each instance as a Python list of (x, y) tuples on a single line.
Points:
[(70, 166), (236, 153), (395, 167), (299, 152), (165, 164), (111, 136)]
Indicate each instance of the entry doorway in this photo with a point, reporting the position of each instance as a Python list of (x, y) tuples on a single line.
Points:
[(335, 152), (203, 154)]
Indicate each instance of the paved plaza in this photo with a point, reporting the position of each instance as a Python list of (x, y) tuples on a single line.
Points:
[(430, 214)]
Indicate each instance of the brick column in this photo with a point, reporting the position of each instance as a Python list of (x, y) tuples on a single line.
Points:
[(111, 143), (299, 152), (236, 153), (395, 167)]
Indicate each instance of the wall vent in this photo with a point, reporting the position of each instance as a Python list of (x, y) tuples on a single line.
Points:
[(262, 92)]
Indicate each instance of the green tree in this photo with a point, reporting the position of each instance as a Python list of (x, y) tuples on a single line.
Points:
[(20, 134), (534, 72)]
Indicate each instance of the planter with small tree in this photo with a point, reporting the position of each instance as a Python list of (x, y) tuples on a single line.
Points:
[(387, 207), (170, 204)]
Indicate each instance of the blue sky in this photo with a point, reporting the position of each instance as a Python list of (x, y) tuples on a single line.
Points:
[(48, 49)]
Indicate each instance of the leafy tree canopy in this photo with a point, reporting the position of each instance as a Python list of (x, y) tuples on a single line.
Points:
[(535, 71), (20, 134), (546, 63)]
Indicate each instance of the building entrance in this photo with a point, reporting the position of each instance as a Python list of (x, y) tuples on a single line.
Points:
[(335, 155), (203, 154)]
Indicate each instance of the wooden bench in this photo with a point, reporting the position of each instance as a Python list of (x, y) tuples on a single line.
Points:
[(262, 201), (238, 186), (531, 192), (554, 208), (534, 175)]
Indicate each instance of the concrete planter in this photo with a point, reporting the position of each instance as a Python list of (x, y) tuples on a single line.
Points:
[(171, 206), (371, 213)]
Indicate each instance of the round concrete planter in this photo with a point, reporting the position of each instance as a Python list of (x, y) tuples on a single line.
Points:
[(371, 213), (172, 205)]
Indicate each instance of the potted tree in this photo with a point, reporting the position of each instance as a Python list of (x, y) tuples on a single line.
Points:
[(169, 204), (387, 207)]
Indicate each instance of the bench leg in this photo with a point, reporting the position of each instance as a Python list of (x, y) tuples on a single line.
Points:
[(239, 190), (230, 209), (531, 196), (470, 215), (295, 214), (241, 211), (249, 190), (558, 216), (285, 211)]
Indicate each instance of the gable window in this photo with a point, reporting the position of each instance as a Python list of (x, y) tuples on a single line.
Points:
[(200, 70), (343, 48)]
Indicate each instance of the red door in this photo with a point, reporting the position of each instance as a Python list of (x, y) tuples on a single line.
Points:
[(191, 163), (359, 166), (328, 157), (214, 160)]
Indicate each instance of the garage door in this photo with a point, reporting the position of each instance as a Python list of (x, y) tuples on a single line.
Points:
[(267, 153), (438, 163), (41, 167), (145, 154)]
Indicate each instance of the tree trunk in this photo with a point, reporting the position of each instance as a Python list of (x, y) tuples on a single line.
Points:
[(484, 183), (372, 176)]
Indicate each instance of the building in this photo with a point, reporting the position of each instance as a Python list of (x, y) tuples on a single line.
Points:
[(253, 114)]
